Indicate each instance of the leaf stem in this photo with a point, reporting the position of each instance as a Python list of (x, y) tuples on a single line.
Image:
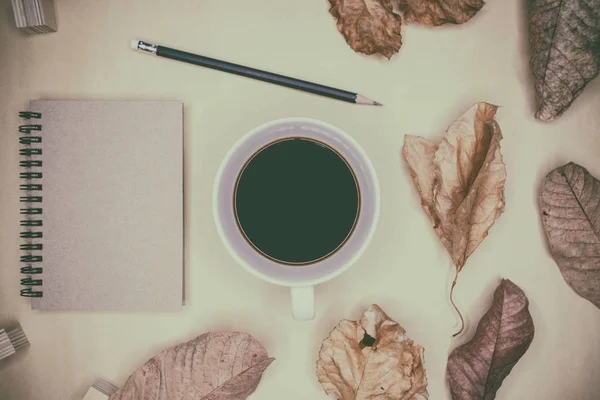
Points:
[(462, 321)]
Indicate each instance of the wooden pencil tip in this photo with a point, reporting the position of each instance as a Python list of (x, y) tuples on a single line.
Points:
[(366, 101)]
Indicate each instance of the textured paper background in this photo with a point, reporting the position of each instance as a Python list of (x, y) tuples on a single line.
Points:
[(438, 74)]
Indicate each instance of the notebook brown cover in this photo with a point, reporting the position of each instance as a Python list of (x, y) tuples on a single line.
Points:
[(112, 205)]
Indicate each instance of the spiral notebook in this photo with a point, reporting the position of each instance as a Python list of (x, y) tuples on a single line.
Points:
[(102, 205)]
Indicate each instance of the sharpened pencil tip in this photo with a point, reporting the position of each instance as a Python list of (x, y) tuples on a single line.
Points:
[(366, 101)]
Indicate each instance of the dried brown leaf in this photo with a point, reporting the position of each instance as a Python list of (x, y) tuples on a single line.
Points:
[(565, 51), (570, 208), (439, 12), (461, 180), (477, 369), (214, 366), (419, 154), (372, 359), (369, 26)]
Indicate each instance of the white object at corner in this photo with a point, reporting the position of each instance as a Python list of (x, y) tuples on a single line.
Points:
[(34, 16), (100, 390), (11, 341)]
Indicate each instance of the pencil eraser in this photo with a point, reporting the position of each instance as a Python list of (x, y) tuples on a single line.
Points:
[(134, 44)]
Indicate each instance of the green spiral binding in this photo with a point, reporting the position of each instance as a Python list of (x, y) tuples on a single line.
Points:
[(29, 270), (30, 187), (29, 258), (31, 251), (29, 128), (31, 222), (29, 114), (30, 139), (31, 211), (31, 235), (30, 152), (30, 175), (29, 292), (31, 282), (30, 163), (31, 199), (31, 246)]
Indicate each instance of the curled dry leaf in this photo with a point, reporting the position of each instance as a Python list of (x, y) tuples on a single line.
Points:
[(565, 51), (460, 181), (214, 366), (372, 359), (439, 12), (477, 369), (369, 26), (570, 208)]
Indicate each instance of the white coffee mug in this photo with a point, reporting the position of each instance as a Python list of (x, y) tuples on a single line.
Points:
[(300, 279)]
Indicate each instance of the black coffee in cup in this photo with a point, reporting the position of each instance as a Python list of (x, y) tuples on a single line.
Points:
[(296, 201)]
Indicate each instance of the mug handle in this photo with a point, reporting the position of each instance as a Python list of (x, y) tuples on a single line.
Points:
[(303, 303)]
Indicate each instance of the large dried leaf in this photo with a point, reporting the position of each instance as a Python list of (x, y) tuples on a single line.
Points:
[(372, 359), (369, 26), (439, 12), (477, 369), (461, 180), (565, 51), (214, 366), (570, 208)]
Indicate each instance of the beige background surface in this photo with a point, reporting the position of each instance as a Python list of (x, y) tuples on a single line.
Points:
[(438, 74)]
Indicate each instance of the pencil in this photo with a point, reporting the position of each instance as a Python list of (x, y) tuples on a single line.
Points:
[(281, 80)]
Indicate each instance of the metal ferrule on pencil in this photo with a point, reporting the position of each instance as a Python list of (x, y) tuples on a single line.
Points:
[(146, 47)]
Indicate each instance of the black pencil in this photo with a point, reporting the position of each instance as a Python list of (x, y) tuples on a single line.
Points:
[(253, 73)]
